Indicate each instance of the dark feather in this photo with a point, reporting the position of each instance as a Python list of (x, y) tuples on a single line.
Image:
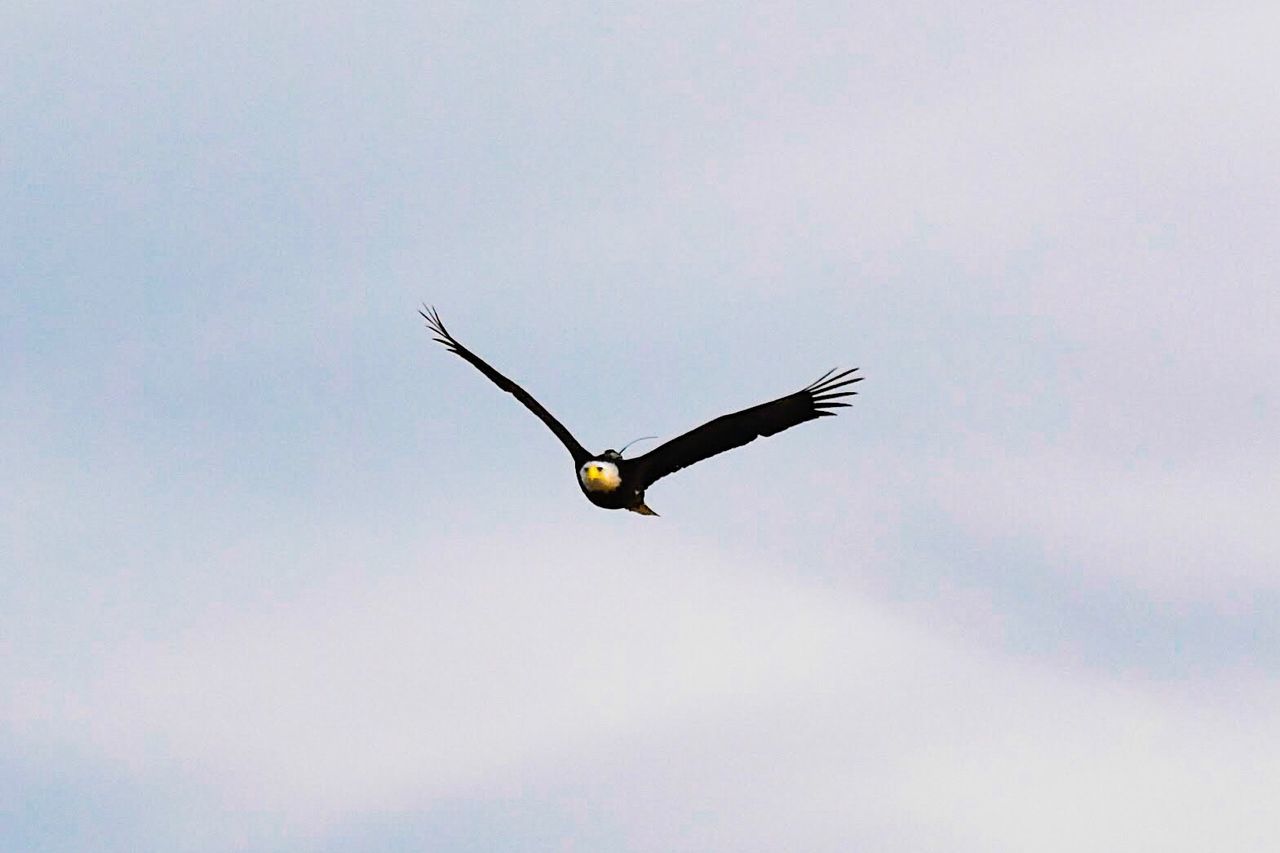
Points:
[(442, 336), (730, 431)]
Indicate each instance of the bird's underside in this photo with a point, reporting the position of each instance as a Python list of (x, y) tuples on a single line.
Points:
[(612, 482)]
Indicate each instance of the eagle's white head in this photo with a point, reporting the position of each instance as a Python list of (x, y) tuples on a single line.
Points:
[(599, 475)]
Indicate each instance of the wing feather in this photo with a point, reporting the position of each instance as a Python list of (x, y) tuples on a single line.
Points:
[(442, 336), (734, 430)]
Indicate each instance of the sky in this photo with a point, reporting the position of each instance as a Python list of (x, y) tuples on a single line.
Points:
[(281, 574)]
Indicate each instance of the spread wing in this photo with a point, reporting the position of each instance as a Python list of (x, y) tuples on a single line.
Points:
[(442, 335), (730, 431)]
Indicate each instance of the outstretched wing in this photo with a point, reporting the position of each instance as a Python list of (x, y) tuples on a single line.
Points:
[(442, 335), (730, 431)]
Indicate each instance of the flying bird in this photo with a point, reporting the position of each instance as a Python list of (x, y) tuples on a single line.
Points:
[(612, 482)]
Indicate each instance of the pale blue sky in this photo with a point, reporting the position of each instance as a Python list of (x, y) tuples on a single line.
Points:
[(281, 574)]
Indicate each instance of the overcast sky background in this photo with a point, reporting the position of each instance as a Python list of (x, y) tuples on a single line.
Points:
[(281, 574)]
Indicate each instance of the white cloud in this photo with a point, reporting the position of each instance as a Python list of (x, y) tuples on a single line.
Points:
[(756, 696), (363, 692), (1009, 158), (1177, 532), (1058, 764)]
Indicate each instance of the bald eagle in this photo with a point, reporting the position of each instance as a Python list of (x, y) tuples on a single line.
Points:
[(612, 482)]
